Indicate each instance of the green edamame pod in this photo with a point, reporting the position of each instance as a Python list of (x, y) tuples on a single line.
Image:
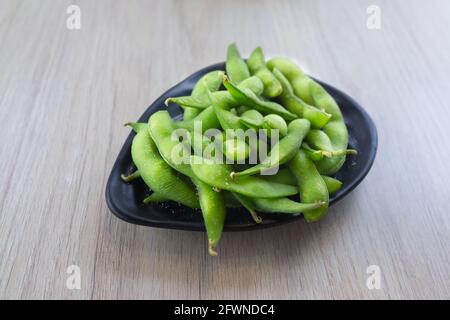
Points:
[(333, 185), (223, 98), (274, 121), (249, 99), (285, 176), (286, 205), (157, 174), (209, 82), (283, 151), (227, 119), (230, 199), (155, 197), (236, 150), (313, 93), (312, 187), (236, 67), (252, 119), (218, 175), (160, 127), (317, 155), (213, 211), (206, 117), (257, 65), (294, 104)]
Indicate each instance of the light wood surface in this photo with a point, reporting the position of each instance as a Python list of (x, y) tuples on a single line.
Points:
[(64, 95)]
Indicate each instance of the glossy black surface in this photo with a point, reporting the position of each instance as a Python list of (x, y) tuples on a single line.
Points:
[(125, 200)]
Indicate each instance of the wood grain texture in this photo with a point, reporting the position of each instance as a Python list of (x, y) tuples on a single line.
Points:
[(64, 96)]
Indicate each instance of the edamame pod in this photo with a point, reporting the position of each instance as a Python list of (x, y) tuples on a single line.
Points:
[(209, 82), (286, 205), (333, 184), (249, 99), (313, 93), (218, 175), (257, 65), (285, 176), (213, 211), (247, 203), (236, 67), (297, 106), (160, 127), (223, 98), (157, 174), (312, 187), (283, 151)]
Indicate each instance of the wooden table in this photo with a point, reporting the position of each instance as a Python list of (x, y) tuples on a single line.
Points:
[(64, 95)]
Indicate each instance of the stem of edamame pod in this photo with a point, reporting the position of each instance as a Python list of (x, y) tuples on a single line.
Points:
[(130, 177), (317, 155), (247, 204)]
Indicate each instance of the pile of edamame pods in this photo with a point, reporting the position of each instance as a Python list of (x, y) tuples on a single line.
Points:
[(208, 161)]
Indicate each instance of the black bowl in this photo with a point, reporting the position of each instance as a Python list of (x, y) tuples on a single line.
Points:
[(125, 200)]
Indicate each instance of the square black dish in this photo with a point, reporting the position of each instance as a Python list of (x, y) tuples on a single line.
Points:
[(125, 200)]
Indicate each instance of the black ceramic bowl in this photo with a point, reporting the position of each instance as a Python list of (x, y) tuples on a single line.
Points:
[(125, 200)]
